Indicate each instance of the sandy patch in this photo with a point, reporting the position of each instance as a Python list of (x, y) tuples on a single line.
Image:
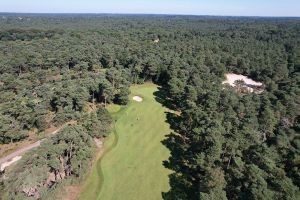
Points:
[(98, 142), (137, 98), (8, 163), (231, 78), (156, 40)]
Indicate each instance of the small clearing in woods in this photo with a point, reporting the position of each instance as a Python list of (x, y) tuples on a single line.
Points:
[(156, 40), (247, 85), (137, 98), (231, 78)]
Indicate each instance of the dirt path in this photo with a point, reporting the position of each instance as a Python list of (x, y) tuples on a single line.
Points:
[(21, 151)]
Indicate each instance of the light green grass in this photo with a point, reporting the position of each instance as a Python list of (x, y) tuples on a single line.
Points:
[(132, 165), (113, 108)]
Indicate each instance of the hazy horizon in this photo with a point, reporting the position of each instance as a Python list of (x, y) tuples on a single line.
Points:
[(256, 8)]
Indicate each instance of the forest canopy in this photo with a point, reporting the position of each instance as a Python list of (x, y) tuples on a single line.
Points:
[(225, 144)]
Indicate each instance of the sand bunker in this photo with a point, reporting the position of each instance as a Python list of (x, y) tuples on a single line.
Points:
[(137, 98), (231, 78)]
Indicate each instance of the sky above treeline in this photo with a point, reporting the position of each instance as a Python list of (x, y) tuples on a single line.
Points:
[(189, 7)]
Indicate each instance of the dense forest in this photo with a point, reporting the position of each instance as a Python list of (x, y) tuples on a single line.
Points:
[(225, 145)]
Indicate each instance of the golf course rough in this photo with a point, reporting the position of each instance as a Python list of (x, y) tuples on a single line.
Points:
[(131, 167)]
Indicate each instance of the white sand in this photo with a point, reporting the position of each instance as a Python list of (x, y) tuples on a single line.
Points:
[(137, 98), (8, 163), (231, 78), (156, 40)]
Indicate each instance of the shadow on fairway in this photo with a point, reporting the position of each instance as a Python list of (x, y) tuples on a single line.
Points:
[(175, 143)]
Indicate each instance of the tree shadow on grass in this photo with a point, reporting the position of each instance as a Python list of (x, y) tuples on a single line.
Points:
[(161, 96), (173, 119), (175, 143)]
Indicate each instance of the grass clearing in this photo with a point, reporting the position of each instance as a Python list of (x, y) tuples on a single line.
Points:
[(132, 164)]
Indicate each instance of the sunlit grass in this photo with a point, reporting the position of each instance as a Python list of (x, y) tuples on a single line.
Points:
[(132, 167)]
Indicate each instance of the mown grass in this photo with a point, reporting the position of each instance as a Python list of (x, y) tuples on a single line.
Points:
[(132, 165)]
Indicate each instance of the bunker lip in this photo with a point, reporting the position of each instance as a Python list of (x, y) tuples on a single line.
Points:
[(137, 98)]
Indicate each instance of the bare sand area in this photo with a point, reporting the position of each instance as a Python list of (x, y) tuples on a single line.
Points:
[(137, 98), (231, 78)]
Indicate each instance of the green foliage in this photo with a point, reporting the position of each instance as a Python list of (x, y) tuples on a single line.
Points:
[(226, 146), (63, 156), (98, 124), (122, 96)]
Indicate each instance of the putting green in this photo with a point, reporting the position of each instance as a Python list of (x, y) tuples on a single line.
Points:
[(131, 167)]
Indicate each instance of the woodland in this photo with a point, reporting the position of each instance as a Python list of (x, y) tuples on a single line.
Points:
[(225, 144)]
